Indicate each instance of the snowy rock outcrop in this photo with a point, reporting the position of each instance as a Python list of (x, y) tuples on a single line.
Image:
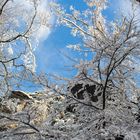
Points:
[(55, 117)]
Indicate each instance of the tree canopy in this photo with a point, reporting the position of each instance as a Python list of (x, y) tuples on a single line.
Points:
[(18, 40)]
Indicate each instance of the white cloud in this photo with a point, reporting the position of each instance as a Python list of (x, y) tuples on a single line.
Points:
[(41, 27), (128, 7), (46, 20), (10, 50)]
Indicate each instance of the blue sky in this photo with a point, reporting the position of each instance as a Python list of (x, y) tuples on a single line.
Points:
[(49, 58), (53, 41), (49, 42)]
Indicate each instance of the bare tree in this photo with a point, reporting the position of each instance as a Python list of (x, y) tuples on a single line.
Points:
[(17, 35), (113, 45)]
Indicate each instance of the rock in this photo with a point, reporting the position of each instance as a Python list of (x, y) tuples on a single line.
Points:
[(8, 105), (39, 112), (12, 105), (5, 109), (8, 126), (25, 107), (21, 105), (120, 137), (20, 95), (93, 91)]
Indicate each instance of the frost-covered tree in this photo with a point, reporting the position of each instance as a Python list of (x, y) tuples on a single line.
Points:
[(19, 23), (111, 48)]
